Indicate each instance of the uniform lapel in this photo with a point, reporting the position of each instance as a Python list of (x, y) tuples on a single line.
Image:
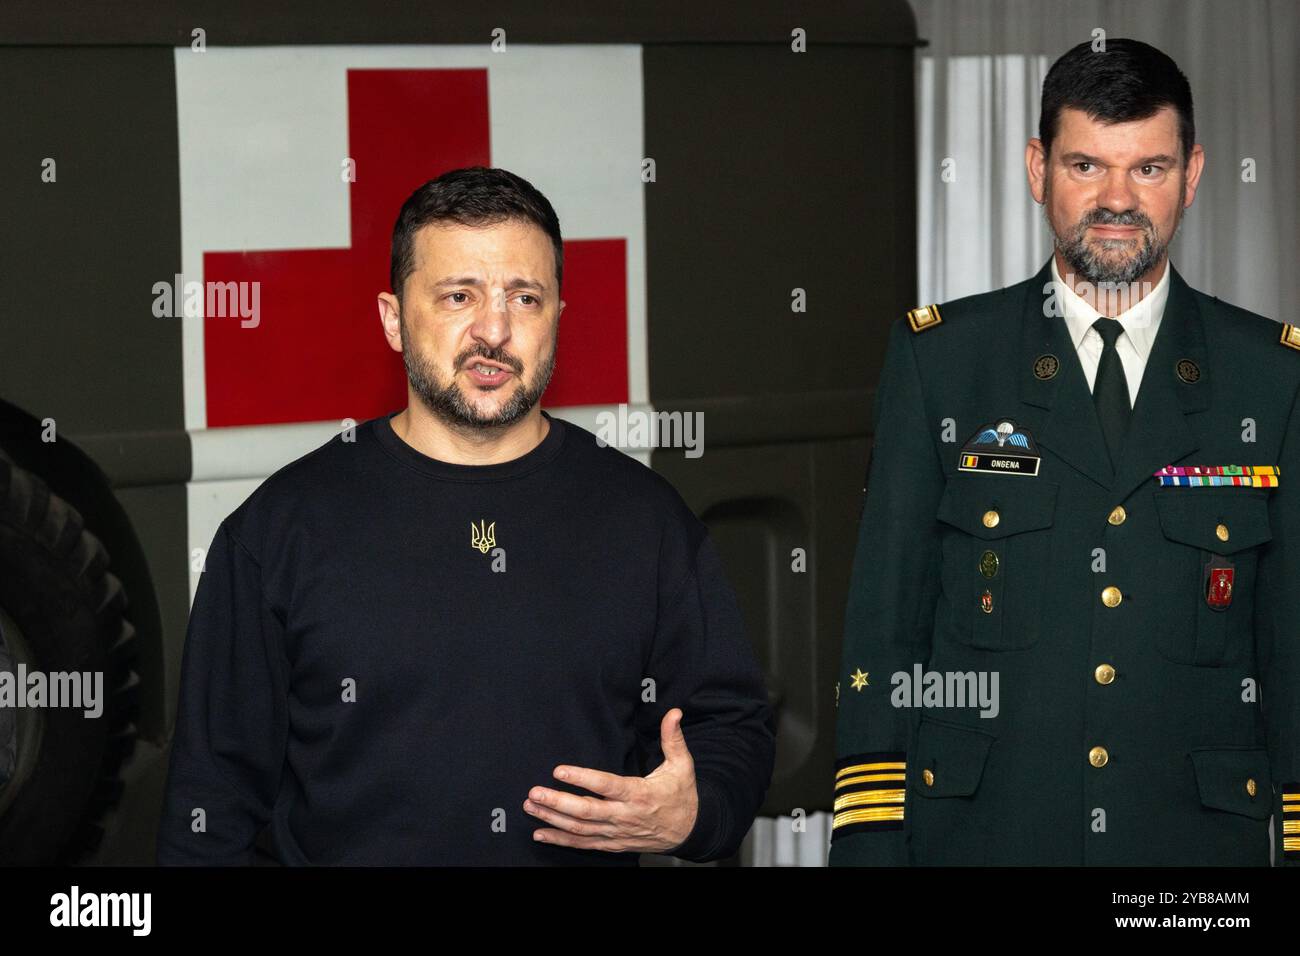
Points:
[(1067, 422), (1159, 433)]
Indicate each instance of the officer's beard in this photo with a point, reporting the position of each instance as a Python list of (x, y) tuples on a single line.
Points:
[(1111, 261), (448, 402)]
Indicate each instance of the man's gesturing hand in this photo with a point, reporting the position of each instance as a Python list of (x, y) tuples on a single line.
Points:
[(632, 814)]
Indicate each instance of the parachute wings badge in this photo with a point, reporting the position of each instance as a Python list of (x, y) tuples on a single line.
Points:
[(1001, 448)]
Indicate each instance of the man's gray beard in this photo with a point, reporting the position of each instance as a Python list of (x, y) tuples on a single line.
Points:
[(448, 402), (1089, 263)]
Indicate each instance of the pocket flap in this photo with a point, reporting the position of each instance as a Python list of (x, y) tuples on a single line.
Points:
[(1224, 779), (1021, 504), (954, 756), (1193, 515)]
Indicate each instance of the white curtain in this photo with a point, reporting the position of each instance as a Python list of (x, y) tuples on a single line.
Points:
[(788, 841), (978, 86)]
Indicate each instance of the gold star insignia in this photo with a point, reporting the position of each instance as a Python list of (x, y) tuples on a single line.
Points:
[(859, 679)]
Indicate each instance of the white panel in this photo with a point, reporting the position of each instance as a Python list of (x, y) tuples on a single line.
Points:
[(263, 130), (584, 152), (254, 451), (209, 503)]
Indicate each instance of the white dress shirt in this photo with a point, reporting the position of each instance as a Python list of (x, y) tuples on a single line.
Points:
[(1140, 322)]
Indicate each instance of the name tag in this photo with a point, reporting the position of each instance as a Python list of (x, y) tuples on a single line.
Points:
[(1000, 448)]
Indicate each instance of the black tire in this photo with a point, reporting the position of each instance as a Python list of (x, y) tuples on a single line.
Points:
[(69, 614)]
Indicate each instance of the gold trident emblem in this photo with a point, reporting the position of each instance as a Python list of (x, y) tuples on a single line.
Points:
[(483, 538)]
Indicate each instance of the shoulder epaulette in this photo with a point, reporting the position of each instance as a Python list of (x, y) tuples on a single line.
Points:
[(927, 317), (1291, 336)]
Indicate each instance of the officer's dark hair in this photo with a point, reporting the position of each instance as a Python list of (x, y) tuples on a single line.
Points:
[(1131, 80), (473, 196)]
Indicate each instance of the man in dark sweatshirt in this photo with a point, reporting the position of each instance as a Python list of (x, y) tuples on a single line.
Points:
[(471, 634)]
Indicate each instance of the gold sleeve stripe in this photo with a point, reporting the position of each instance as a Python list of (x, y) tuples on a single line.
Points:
[(1288, 826), (869, 778), (864, 797), (1291, 798), (870, 815), (1289, 844), (868, 768)]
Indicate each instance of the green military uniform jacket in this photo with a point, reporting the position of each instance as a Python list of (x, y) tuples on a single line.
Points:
[(1145, 638)]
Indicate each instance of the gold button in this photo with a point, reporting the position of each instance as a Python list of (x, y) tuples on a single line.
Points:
[(1118, 515), (1097, 756), (986, 602), (991, 519), (1111, 596), (1221, 532), (1104, 673), (928, 776), (1250, 786)]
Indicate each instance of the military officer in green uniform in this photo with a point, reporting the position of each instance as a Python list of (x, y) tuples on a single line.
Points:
[(1073, 630)]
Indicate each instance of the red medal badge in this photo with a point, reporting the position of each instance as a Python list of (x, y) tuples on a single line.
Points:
[(1218, 584)]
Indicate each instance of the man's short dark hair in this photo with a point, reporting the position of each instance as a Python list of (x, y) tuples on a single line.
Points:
[(1131, 80), (474, 196)]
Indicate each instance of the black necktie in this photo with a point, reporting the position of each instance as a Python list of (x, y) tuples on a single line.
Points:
[(1110, 390)]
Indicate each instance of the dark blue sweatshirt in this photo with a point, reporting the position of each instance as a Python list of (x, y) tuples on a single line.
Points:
[(386, 652)]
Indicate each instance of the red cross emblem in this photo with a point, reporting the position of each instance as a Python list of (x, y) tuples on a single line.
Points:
[(316, 352)]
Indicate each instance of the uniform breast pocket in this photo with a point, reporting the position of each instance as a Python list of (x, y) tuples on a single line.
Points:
[(1215, 537), (996, 552)]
